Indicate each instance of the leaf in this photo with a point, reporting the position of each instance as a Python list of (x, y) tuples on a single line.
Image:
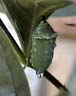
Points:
[(18, 51), (28, 13), (13, 81), (63, 93)]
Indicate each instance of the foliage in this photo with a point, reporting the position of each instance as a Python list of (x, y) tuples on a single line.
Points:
[(13, 81), (63, 93)]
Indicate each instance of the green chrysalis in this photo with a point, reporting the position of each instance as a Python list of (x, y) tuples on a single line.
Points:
[(43, 44)]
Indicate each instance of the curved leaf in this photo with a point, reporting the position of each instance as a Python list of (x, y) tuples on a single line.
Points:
[(13, 81), (19, 53), (28, 13), (63, 93)]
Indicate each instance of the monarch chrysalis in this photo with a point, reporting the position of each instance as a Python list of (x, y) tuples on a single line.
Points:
[(46, 73), (43, 44)]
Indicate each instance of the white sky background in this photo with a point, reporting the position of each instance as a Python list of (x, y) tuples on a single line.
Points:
[(33, 80)]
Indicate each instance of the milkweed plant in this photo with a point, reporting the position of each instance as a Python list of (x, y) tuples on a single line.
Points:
[(37, 40)]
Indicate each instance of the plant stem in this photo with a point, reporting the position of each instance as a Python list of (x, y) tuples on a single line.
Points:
[(53, 80)]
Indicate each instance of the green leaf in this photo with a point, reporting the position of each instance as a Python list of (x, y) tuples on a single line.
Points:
[(63, 93), (19, 53), (13, 81), (28, 13)]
